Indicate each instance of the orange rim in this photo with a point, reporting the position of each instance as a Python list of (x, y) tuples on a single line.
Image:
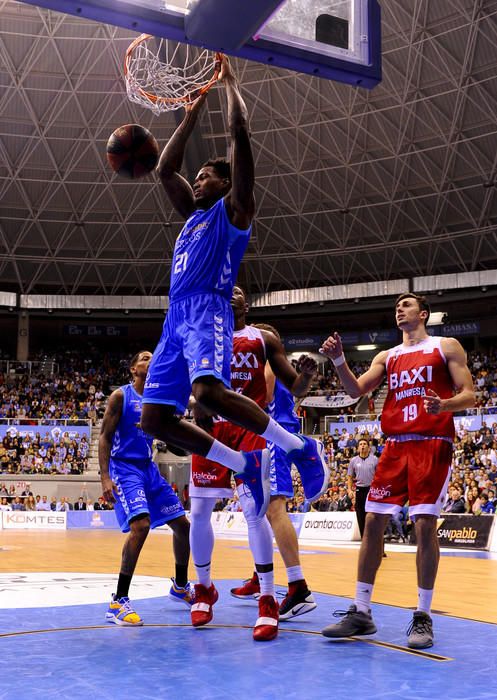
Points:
[(171, 100)]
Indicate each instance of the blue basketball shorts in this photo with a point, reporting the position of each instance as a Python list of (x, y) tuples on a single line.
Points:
[(196, 341), (280, 475), (142, 489)]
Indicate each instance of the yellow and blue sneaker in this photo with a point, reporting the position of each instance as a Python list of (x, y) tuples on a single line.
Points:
[(182, 594), (120, 612)]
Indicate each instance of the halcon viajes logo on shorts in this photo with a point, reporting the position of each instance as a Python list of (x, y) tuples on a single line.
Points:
[(379, 493), (204, 477)]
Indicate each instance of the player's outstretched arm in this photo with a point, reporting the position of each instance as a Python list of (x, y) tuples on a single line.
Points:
[(177, 188), (240, 200), (354, 386), (110, 420), (296, 382), (461, 378)]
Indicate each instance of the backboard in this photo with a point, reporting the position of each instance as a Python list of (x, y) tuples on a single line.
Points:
[(332, 39)]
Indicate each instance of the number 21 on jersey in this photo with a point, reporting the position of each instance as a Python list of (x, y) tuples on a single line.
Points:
[(181, 263), (410, 412)]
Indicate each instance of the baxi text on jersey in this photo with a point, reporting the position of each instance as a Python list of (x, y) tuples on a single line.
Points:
[(244, 359), (417, 375)]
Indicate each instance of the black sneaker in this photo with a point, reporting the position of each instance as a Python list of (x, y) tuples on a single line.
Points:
[(420, 631), (354, 622), (297, 603)]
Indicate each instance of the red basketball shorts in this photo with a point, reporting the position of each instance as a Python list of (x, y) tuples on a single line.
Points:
[(415, 472), (212, 480)]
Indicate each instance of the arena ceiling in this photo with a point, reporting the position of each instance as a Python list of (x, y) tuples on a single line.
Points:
[(351, 185)]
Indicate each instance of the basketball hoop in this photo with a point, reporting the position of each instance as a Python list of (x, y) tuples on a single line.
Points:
[(166, 76)]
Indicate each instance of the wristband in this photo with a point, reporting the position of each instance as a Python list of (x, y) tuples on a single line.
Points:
[(338, 361)]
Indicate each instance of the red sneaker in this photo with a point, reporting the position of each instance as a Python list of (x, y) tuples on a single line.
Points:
[(202, 607), (266, 627), (250, 589)]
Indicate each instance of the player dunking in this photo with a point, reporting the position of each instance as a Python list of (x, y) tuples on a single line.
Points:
[(252, 347), (194, 351), (143, 498), (428, 380)]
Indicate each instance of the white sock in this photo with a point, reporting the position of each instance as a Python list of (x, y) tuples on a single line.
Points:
[(281, 437), (260, 535), (425, 596), (204, 574), (266, 581), (226, 456), (202, 537), (363, 593), (294, 573)]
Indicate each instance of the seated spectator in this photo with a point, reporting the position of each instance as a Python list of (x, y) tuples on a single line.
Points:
[(486, 507), (344, 501), (30, 503), (17, 504), (80, 504), (43, 504), (62, 504), (4, 504), (455, 503), (473, 501)]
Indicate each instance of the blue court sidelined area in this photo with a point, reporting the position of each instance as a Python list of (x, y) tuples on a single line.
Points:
[(69, 651)]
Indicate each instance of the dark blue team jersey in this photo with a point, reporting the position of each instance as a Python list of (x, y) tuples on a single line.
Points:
[(207, 254), (130, 442), (282, 408)]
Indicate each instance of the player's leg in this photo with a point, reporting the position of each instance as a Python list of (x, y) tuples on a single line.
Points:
[(299, 599), (260, 539), (132, 514), (388, 493), (429, 472), (165, 508), (209, 481), (202, 546), (181, 591)]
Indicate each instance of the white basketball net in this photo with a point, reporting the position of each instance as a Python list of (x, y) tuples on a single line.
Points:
[(162, 75)]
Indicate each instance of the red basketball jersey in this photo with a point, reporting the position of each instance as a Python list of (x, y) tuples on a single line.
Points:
[(247, 364), (411, 371)]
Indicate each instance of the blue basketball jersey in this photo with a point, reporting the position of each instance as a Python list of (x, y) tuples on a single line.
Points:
[(207, 254), (130, 442), (282, 408)]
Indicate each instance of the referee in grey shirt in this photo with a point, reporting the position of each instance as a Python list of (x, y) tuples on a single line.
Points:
[(362, 467)]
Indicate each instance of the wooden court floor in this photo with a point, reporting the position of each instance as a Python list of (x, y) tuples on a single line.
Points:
[(466, 586)]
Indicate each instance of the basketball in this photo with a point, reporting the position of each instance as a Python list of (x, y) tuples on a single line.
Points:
[(132, 151)]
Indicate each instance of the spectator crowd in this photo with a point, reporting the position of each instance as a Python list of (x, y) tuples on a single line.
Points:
[(55, 452), (14, 498)]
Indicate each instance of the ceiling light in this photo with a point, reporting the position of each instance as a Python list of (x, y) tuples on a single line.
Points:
[(366, 347)]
